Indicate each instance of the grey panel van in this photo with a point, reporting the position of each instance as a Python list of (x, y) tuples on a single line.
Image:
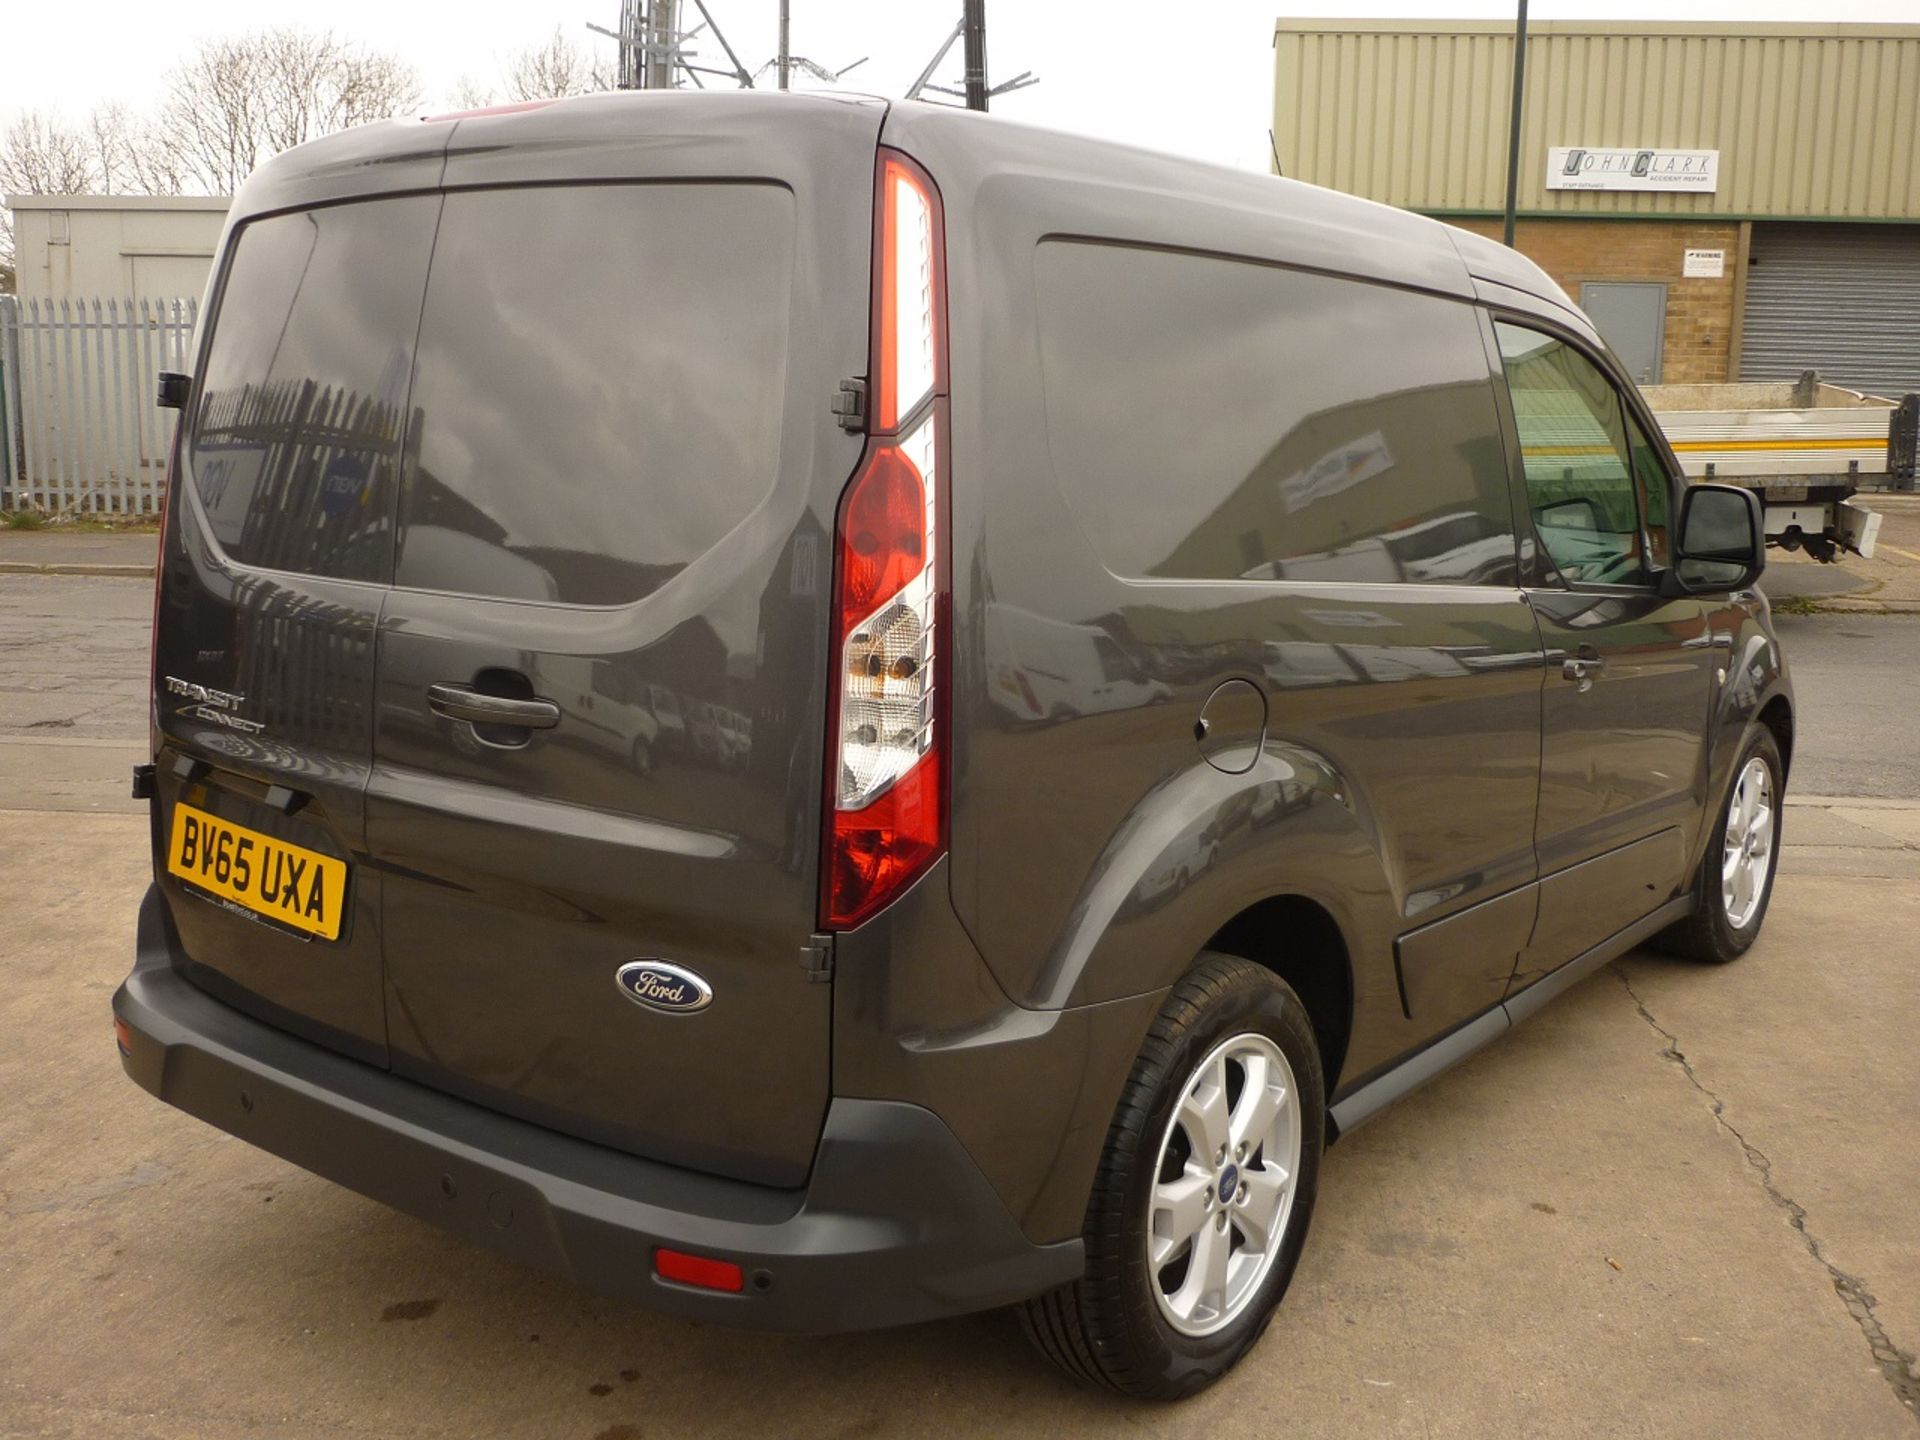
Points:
[(822, 713)]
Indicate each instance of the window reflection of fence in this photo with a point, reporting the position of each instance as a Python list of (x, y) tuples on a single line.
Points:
[(79, 429), (298, 475)]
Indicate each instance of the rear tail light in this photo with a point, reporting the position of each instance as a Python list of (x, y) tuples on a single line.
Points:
[(886, 793)]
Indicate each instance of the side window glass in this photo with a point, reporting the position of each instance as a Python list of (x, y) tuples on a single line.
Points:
[(1218, 419), (296, 442), (1580, 482), (1650, 475)]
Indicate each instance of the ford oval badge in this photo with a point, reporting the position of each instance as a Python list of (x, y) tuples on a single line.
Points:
[(660, 986)]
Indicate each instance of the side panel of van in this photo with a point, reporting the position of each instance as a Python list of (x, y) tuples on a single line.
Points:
[(616, 508), (1205, 468)]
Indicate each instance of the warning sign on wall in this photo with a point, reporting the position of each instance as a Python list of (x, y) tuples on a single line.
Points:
[(1704, 264)]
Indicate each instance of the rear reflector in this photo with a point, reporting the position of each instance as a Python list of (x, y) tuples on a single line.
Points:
[(698, 1270), (123, 1036)]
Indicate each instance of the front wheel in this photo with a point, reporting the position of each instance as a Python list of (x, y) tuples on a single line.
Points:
[(1736, 874), (1204, 1193)]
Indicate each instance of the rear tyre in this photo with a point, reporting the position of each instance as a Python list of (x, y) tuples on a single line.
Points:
[(1735, 882), (1204, 1193)]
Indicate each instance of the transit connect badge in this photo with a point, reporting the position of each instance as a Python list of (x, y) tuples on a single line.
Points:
[(660, 986)]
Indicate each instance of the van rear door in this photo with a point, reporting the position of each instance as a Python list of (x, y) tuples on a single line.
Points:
[(600, 702), (277, 555)]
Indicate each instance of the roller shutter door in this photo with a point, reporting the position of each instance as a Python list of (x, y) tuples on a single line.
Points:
[(1840, 299)]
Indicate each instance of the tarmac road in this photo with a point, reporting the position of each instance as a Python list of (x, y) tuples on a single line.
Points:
[(1856, 684), (73, 668), (73, 690)]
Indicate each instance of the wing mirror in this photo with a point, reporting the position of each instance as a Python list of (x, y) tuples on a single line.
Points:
[(1576, 512), (1720, 542)]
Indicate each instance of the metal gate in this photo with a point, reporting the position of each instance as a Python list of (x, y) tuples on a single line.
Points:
[(1840, 299), (77, 382)]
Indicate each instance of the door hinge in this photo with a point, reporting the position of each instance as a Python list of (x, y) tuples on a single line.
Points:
[(143, 782), (816, 958), (850, 405)]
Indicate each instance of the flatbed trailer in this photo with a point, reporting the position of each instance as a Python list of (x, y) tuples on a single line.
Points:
[(1806, 448)]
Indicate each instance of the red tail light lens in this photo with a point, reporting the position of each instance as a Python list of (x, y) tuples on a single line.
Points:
[(886, 792), (883, 534)]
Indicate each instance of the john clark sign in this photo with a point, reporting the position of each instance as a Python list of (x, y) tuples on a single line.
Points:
[(1572, 167)]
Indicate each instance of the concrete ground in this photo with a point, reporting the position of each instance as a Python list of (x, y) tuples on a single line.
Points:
[(1680, 1201)]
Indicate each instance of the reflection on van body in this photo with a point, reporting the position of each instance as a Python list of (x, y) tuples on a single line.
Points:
[(1299, 664), (1045, 669)]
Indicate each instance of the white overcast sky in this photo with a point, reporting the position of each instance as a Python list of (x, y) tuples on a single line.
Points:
[(1200, 84)]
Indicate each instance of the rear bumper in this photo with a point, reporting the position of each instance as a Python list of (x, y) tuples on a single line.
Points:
[(895, 1225)]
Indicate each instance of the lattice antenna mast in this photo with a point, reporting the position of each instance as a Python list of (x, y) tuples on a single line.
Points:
[(786, 62), (655, 53), (974, 90)]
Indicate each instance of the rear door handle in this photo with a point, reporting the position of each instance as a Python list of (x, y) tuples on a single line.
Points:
[(461, 702)]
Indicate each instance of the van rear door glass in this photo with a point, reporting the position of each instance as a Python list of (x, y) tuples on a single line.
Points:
[(296, 438), (1219, 419), (600, 387)]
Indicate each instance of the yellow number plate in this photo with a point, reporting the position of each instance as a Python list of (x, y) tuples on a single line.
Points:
[(297, 887)]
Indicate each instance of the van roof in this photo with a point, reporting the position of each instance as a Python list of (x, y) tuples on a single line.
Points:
[(1375, 240), (595, 137)]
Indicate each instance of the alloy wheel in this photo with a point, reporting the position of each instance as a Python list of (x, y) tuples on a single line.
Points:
[(1748, 858), (1223, 1185)]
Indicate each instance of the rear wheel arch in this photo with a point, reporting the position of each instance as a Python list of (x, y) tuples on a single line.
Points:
[(1297, 938), (1120, 1325), (1777, 716)]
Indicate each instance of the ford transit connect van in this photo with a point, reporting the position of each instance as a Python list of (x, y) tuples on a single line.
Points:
[(823, 713)]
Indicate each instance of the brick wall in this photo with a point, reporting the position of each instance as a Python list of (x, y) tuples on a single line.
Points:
[(1699, 312)]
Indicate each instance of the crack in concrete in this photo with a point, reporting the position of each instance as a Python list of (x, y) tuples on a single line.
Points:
[(1899, 1367)]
